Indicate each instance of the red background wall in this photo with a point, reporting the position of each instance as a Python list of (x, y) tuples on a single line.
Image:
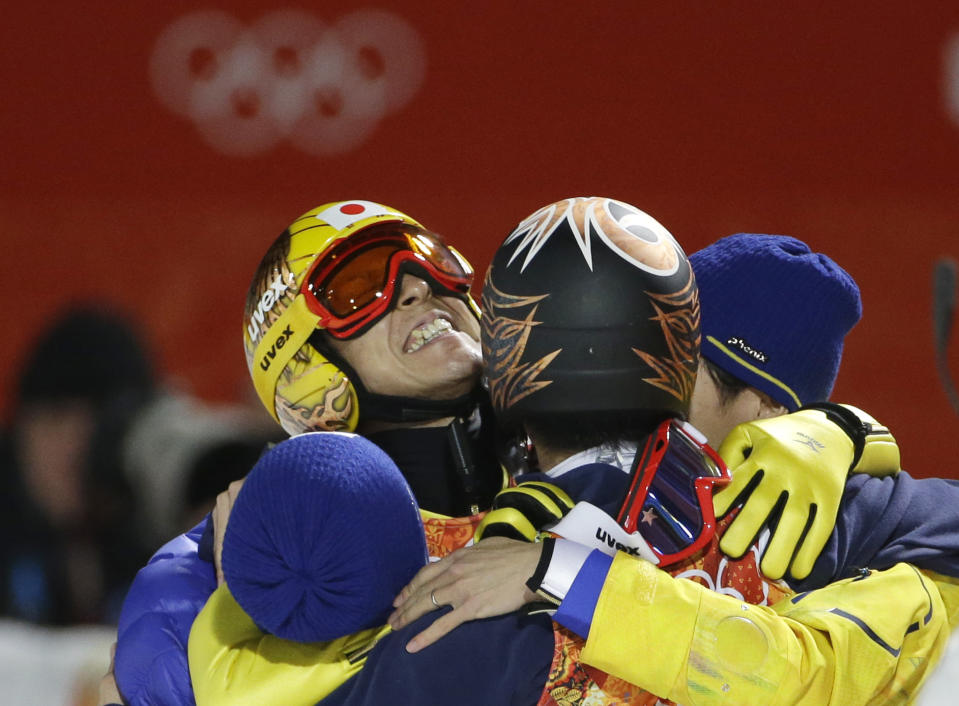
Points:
[(827, 121)]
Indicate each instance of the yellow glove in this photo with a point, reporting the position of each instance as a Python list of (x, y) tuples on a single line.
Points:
[(789, 473), (880, 452), (521, 512)]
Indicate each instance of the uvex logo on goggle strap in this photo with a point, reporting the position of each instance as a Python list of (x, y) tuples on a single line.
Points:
[(610, 541), (284, 336), (591, 527)]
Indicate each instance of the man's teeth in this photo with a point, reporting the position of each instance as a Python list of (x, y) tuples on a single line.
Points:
[(426, 333)]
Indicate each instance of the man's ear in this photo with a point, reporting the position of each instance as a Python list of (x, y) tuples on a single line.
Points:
[(768, 407)]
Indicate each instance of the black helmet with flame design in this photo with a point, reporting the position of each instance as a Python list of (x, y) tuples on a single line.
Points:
[(590, 305)]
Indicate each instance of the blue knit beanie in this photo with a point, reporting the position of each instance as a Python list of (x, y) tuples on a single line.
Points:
[(774, 314), (323, 535)]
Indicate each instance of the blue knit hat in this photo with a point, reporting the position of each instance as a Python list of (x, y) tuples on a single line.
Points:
[(323, 535), (774, 314)]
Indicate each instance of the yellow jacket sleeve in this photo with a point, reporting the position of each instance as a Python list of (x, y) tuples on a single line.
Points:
[(233, 662), (871, 639), (949, 590)]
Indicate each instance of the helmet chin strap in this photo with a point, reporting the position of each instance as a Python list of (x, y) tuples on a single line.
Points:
[(389, 408), (406, 410)]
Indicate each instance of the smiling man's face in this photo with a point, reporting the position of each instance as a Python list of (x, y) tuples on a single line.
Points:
[(426, 347)]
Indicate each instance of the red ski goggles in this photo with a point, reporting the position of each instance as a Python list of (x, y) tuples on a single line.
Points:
[(351, 285), (670, 496)]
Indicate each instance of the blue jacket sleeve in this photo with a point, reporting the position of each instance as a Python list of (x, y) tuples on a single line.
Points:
[(884, 521), (501, 660), (151, 666), (576, 610)]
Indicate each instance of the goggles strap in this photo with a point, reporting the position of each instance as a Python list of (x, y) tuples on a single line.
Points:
[(388, 408), (590, 526), (465, 466), (286, 336)]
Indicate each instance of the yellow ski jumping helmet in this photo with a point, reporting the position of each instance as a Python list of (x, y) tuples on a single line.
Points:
[(335, 269)]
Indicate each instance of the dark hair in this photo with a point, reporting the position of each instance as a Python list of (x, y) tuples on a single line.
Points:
[(577, 432), (728, 385)]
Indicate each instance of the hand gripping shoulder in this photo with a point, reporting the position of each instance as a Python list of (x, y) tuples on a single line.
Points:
[(875, 450)]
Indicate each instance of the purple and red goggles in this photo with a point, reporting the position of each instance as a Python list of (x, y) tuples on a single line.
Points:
[(670, 496), (351, 285)]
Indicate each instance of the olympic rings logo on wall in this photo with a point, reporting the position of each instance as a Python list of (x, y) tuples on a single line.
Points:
[(287, 77)]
